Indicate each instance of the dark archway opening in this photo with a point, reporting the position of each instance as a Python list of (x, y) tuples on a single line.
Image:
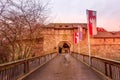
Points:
[(60, 50), (64, 47)]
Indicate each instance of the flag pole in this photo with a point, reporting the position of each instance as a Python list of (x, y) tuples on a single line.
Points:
[(91, 24), (78, 39), (89, 51), (89, 47), (78, 46)]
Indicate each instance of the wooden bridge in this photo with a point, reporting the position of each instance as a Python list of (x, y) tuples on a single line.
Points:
[(59, 67)]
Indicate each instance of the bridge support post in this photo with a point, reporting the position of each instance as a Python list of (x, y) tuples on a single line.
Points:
[(26, 66)]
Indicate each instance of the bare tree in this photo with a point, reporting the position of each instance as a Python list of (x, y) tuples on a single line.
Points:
[(18, 20)]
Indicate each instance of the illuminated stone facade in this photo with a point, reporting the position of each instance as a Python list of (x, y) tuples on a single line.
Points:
[(55, 35), (104, 44)]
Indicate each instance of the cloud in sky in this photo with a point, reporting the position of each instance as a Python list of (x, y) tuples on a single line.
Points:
[(108, 12)]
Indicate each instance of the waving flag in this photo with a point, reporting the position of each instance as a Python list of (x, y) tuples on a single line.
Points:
[(92, 22), (76, 37), (80, 32)]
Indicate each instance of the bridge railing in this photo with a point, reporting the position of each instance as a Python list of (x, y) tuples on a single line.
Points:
[(19, 69), (106, 67)]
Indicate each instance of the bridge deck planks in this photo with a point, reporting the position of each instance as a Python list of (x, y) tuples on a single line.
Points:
[(60, 69)]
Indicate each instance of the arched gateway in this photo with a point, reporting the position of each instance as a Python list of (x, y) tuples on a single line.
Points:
[(59, 37), (64, 47)]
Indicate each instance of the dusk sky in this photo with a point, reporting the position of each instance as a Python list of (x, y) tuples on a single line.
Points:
[(74, 11)]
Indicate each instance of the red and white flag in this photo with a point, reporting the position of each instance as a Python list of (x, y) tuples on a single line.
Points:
[(76, 37), (92, 22)]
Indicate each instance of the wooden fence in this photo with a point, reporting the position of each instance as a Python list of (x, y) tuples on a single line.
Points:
[(19, 69)]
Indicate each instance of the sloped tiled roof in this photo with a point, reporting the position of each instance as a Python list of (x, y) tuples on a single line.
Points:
[(67, 25), (102, 33)]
